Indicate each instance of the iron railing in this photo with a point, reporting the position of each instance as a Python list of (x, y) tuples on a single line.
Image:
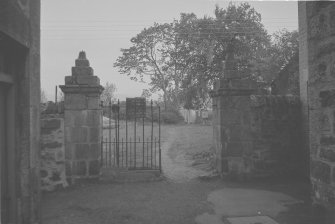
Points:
[(131, 141)]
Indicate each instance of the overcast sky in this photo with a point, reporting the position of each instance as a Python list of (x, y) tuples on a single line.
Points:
[(103, 27)]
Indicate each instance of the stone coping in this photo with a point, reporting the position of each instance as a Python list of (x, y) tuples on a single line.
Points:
[(81, 88)]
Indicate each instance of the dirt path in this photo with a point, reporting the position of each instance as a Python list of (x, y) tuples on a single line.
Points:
[(178, 166)]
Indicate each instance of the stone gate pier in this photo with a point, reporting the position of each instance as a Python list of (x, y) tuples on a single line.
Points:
[(82, 121), (255, 134)]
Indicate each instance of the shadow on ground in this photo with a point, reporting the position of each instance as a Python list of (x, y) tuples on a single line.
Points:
[(189, 193)]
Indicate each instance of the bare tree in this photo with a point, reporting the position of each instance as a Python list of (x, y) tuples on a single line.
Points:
[(109, 93), (44, 98)]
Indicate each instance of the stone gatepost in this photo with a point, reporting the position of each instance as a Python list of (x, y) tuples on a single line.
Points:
[(82, 121), (231, 123)]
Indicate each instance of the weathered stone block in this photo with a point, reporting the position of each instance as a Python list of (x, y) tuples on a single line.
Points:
[(82, 63), (82, 151), (332, 69), (75, 118), (325, 125), (318, 26), (93, 118), (78, 71), (235, 148), (322, 69), (327, 98), (95, 135), (68, 169), (67, 133), (320, 171), (79, 168), (52, 145), (324, 51), (94, 167), (69, 148), (332, 19), (51, 124), (74, 102), (69, 80), (327, 154), (93, 102), (80, 117), (327, 140), (95, 149), (230, 116), (87, 80), (225, 165), (59, 155), (79, 134), (55, 176), (43, 173)]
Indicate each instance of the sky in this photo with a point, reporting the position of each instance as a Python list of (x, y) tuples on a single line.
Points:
[(102, 27)]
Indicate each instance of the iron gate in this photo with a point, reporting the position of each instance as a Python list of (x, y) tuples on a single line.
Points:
[(131, 135)]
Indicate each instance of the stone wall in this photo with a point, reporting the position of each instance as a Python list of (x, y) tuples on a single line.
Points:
[(317, 82), (52, 152), (256, 135), (276, 134)]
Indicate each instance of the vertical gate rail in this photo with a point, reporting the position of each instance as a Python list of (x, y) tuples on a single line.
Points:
[(124, 151)]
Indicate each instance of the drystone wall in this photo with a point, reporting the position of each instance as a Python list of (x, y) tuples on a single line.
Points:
[(52, 155), (52, 152)]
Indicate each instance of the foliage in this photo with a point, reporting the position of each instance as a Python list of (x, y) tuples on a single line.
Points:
[(109, 93), (149, 59), (44, 98), (284, 47), (183, 58), (60, 96), (171, 116), (146, 94)]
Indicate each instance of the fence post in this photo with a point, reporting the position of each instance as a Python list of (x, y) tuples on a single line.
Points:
[(110, 125), (152, 128), (159, 139), (135, 137), (126, 137), (143, 139)]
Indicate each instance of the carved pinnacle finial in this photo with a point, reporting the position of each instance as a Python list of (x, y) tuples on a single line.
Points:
[(82, 55)]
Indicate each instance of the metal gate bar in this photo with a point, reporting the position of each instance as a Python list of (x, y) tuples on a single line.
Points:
[(124, 151)]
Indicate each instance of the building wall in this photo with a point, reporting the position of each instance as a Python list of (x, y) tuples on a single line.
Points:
[(15, 19), (20, 31), (317, 81)]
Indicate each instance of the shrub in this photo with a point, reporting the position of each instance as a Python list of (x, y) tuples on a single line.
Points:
[(171, 117)]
